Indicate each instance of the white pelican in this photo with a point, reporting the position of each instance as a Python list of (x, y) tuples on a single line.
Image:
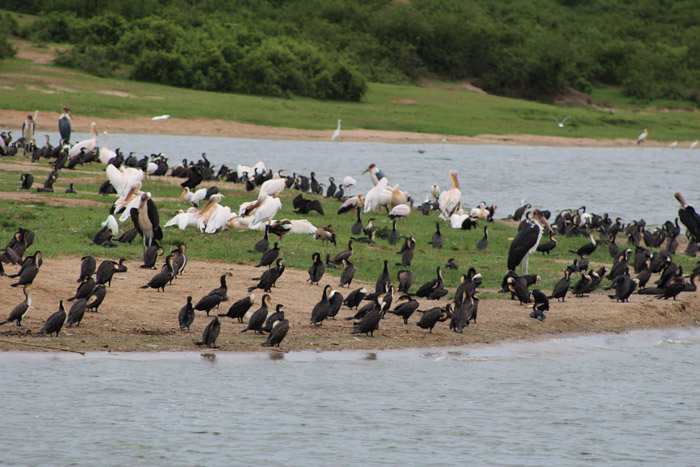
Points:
[(218, 219), (400, 210), (245, 170), (297, 226), (435, 192), (642, 137), (193, 198), (398, 196), (87, 144), (561, 124), (481, 212), (123, 204), (450, 200), (336, 134), (184, 219), (207, 211), (673, 145), (64, 126), (457, 219), (272, 187), (106, 154), (693, 144), (355, 202), (267, 209), (124, 179), (378, 196), (348, 182), (111, 222), (374, 174)]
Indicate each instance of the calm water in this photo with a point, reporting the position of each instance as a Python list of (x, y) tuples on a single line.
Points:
[(628, 399), (632, 183)]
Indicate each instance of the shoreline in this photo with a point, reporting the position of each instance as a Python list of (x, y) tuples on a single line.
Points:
[(132, 319), (12, 120)]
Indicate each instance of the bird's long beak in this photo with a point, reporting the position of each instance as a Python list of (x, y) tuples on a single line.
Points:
[(182, 195)]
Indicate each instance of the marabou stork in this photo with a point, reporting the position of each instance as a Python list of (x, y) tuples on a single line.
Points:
[(526, 241)]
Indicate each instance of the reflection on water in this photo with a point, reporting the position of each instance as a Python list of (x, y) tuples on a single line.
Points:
[(632, 183), (625, 399)]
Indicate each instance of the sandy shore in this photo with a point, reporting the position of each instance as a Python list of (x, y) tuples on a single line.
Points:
[(135, 319), (12, 120)]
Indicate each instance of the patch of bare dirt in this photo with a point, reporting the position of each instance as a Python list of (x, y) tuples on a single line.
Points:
[(136, 319), (403, 101), (35, 53), (116, 94), (572, 96)]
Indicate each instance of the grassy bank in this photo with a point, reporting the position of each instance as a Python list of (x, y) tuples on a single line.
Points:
[(68, 222), (438, 107)]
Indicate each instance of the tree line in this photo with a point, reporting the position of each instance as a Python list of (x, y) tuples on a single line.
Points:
[(330, 49)]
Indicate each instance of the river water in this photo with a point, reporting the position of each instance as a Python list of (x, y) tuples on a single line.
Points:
[(632, 183), (621, 400)]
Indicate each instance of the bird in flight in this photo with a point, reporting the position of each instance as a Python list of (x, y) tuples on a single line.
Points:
[(561, 124)]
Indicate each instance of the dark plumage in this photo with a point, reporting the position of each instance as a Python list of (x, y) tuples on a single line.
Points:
[(355, 297), (269, 256), (87, 267), (548, 246), (211, 333), (30, 268), (370, 322), (562, 287), (105, 272), (345, 254), (96, 298), (76, 313), (321, 310), (540, 300), (160, 280), (263, 244), (150, 256), (393, 236), (406, 251), (54, 323), (240, 308), (405, 278), (84, 289), (186, 315), (27, 181), (208, 302), (437, 239), (18, 312), (316, 269), (278, 315), (257, 319), (406, 308), (384, 279), (431, 317), (336, 301), (518, 288), (348, 273), (277, 334), (268, 278), (127, 236), (483, 243)]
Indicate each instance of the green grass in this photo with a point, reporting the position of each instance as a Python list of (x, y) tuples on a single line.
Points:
[(442, 108), (64, 230)]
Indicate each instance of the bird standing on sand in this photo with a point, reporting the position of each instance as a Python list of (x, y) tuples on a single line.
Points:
[(336, 133), (642, 137), (211, 332)]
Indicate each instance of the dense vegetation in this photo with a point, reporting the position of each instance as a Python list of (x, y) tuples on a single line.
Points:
[(330, 48)]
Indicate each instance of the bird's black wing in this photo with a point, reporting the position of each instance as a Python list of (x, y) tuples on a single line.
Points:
[(691, 220), (155, 219), (522, 243)]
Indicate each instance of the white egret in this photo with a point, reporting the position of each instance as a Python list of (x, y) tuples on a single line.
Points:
[(336, 134)]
